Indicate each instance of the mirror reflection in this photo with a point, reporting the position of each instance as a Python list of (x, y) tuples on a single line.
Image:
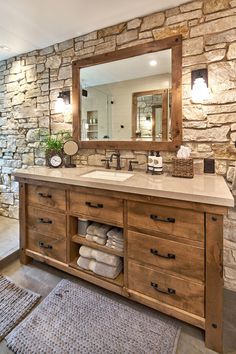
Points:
[(128, 99)]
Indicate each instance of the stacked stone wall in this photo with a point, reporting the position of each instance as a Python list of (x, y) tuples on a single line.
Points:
[(208, 29)]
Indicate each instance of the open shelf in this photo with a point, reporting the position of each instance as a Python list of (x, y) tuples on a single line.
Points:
[(119, 281), (83, 241)]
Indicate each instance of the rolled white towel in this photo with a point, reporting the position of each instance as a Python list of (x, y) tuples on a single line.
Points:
[(96, 239), (83, 262), (102, 269), (99, 256), (105, 270), (97, 229), (92, 228), (102, 230)]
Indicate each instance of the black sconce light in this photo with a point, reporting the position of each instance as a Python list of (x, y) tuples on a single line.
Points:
[(199, 85), (63, 102)]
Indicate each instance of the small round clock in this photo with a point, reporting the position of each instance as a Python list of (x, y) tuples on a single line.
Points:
[(55, 160)]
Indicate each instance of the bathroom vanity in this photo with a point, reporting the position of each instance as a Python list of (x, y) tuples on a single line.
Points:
[(173, 233)]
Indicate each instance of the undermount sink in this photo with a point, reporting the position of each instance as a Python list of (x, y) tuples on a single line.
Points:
[(108, 175)]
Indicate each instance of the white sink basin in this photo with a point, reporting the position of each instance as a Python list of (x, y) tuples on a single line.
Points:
[(108, 175)]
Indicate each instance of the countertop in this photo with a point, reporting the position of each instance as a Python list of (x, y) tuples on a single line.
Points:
[(208, 189)]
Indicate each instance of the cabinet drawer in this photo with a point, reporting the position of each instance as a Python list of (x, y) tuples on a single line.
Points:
[(49, 197), (54, 247), (171, 290), (172, 221), (104, 209), (46, 222), (168, 255)]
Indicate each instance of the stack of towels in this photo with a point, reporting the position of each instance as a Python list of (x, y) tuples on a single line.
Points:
[(101, 263), (115, 239), (97, 232)]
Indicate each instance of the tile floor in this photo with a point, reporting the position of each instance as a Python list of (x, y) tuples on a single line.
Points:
[(9, 237), (42, 278)]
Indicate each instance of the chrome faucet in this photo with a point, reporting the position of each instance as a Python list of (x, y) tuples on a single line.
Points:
[(117, 155)]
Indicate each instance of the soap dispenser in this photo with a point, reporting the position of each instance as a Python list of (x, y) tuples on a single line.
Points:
[(150, 163), (158, 166)]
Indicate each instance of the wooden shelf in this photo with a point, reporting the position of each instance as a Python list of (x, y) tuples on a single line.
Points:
[(92, 131), (83, 241), (119, 281)]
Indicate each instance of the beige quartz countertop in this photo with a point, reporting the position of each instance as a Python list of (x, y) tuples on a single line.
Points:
[(209, 189)]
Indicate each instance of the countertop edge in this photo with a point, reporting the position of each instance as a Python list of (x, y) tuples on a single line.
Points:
[(119, 188)]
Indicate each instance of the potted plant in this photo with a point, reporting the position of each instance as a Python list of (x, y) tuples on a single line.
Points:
[(53, 145)]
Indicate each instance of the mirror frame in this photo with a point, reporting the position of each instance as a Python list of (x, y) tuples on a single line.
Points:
[(174, 43)]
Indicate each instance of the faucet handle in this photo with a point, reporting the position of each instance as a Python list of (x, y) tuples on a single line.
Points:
[(131, 162), (107, 165)]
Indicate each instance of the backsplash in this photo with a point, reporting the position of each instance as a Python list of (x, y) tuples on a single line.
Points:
[(209, 40)]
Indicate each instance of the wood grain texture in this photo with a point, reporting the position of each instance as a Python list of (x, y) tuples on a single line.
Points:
[(187, 224), (23, 220), (195, 226), (46, 222), (214, 281), (174, 43), (47, 197), (51, 246), (188, 261), (110, 210), (189, 296)]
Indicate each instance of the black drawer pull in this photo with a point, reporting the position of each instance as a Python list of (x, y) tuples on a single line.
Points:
[(44, 245), (91, 205), (158, 218), (43, 221), (156, 253), (44, 195), (169, 291)]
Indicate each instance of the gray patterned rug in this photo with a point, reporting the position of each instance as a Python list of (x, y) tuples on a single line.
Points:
[(73, 319), (15, 304)]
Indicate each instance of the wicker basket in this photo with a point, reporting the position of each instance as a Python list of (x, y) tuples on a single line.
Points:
[(183, 168)]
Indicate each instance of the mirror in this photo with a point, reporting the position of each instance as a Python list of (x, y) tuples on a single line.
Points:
[(126, 99)]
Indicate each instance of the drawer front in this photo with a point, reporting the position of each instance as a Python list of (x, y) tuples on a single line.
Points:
[(54, 247), (98, 207), (168, 289), (49, 197), (168, 255), (46, 222), (172, 221)]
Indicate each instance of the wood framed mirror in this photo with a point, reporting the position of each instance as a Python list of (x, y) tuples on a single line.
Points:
[(130, 99)]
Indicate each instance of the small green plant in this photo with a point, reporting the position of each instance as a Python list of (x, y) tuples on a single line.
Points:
[(55, 142)]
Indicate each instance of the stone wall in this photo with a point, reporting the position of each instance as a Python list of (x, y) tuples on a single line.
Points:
[(209, 40)]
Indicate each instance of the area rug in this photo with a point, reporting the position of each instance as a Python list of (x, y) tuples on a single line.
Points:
[(15, 304), (73, 319)]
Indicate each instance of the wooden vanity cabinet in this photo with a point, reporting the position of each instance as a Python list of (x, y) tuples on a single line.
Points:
[(172, 255)]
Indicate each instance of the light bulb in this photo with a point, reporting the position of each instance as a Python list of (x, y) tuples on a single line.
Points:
[(59, 105), (153, 62), (200, 91)]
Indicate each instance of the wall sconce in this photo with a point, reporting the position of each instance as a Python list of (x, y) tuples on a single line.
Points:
[(199, 85), (62, 104)]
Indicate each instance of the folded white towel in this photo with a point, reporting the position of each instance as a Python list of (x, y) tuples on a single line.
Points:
[(99, 256), (114, 246), (102, 269), (116, 232), (121, 243), (96, 239)]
